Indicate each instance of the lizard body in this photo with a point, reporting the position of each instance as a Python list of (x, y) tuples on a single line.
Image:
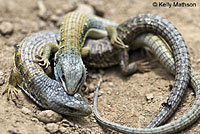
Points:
[(164, 55), (128, 31), (68, 65), (46, 36), (45, 91)]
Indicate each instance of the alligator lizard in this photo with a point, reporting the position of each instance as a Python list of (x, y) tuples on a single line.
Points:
[(46, 92), (127, 69), (69, 69), (35, 43), (161, 51), (104, 55), (68, 65)]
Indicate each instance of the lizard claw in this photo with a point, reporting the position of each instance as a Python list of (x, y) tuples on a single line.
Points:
[(12, 92), (116, 41), (143, 66), (42, 61), (114, 38)]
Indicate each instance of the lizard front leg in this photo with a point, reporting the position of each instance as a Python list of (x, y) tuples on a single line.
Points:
[(15, 80), (109, 31), (48, 49)]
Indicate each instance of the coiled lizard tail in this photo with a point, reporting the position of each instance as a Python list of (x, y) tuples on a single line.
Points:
[(43, 90), (162, 52), (135, 26), (69, 68)]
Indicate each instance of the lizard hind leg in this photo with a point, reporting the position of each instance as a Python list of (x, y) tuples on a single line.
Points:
[(15, 80), (130, 68)]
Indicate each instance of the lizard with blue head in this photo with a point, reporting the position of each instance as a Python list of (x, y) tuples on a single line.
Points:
[(68, 65)]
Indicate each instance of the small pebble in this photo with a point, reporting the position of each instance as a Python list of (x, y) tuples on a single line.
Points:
[(91, 87), (68, 7), (42, 24), (26, 110), (62, 129), (54, 18), (109, 92), (49, 116), (59, 12), (42, 10), (67, 123), (51, 127), (12, 43), (110, 84), (94, 76), (35, 120), (6, 28), (75, 132), (149, 97)]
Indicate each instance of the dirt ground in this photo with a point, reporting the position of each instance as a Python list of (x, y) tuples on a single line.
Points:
[(122, 99)]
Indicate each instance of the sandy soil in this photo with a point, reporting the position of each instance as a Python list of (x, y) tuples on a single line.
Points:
[(122, 99)]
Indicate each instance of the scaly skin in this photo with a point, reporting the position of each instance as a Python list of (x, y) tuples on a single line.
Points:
[(144, 23), (46, 92), (164, 55), (103, 55), (51, 36), (68, 65)]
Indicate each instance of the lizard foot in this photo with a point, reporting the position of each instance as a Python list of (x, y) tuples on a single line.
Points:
[(44, 62), (143, 66), (12, 92), (115, 40)]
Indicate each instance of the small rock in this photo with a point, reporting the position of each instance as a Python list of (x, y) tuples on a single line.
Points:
[(91, 87), (84, 8), (149, 97), (35, 120), (75, 132), (68, 7), (109, 92), (54, 18), (26, 110), (90, 96), (49, 116), (42, 24), (67, 123), (110, 84), (94, 76), (193, 94), (51, 127), (62, 129), (12, 43), (42, 13), (59, 12), (6, 28)]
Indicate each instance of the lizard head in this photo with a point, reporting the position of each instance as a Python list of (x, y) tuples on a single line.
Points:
[(70, 71), (61, 102)]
